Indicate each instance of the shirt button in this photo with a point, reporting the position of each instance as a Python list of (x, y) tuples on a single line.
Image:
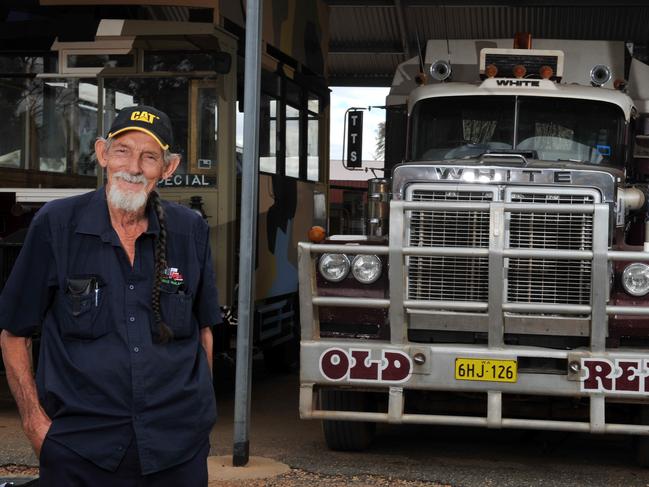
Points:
[(131, 319), (131, 287), (136, 349)]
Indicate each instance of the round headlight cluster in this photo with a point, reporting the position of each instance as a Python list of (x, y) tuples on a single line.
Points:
[(366, 269), (334, 267), (635, 279)]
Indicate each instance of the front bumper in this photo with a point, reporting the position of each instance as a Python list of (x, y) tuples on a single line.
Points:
[(371, 366)]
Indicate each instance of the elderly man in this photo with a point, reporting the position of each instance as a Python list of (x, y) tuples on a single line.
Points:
[(122, 287)]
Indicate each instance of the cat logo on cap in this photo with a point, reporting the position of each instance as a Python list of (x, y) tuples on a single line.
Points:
[(143, 117)]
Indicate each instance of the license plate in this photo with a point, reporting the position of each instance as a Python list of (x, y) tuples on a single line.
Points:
[(491, 370)]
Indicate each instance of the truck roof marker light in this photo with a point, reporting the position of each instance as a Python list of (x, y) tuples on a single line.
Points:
[(600, 75), (440, 70), (317, 234), (519, 71), (619, 84), (546, 72), (491, 71)]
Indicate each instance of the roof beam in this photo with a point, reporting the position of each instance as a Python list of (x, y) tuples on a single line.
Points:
[(403, 32), (488, 3), (374, 80), (380, 48)]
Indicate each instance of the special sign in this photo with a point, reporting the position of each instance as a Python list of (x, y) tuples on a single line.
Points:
[(355, 138), (182, 180)]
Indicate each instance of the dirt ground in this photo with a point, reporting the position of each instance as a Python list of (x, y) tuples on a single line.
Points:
[(410, 456)]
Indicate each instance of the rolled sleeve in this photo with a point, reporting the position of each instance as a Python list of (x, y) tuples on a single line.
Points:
[(28, 291), (206, 305)]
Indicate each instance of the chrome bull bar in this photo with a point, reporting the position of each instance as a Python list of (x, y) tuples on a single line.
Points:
[(313, 345)]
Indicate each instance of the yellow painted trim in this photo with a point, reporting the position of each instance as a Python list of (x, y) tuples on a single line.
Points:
[(113, 134)]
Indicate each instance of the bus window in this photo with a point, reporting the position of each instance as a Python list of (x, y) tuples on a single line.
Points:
[(204, 127), (313, 140), (51, 124), (292, 142), (268, 134)]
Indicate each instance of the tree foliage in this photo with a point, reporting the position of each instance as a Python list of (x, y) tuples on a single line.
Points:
[(379, 150)]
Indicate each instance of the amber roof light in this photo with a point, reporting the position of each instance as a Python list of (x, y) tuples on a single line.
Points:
[(491, 71), (519, 71), (546, 72)]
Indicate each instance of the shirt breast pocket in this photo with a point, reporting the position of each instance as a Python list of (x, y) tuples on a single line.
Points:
[(84, 314), (176, 307)]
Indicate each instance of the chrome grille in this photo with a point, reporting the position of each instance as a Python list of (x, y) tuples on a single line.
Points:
[(546, 280), (528, 280), (450, 278)]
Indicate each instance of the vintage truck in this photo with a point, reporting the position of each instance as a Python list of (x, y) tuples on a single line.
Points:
[(504, 278)]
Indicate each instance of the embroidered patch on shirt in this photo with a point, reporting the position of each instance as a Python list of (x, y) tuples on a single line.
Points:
[(171, 275)]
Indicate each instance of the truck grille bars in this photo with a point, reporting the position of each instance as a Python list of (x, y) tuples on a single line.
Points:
[(455, 277), (549, 280), (527, 279)]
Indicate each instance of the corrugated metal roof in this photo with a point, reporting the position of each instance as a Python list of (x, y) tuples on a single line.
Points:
[(366, 42)]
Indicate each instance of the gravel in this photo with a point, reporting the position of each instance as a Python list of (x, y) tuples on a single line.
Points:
[(297, 477)]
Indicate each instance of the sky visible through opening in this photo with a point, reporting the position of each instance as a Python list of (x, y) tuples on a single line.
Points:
[(342, 98)]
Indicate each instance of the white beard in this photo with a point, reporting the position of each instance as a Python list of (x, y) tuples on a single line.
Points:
[(130, 201)]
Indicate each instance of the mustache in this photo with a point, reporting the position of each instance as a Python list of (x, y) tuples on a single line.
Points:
[(130, 178)]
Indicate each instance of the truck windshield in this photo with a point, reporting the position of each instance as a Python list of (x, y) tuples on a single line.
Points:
[(553, 129)]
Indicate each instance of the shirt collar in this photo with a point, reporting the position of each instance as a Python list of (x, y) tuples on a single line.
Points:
[(95, 219)]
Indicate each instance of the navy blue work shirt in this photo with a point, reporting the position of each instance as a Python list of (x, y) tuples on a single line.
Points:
[(100, 377)]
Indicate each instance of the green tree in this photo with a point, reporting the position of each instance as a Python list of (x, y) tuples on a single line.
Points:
[(379, 149)]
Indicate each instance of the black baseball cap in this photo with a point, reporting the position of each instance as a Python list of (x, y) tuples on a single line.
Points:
[(146, 119)]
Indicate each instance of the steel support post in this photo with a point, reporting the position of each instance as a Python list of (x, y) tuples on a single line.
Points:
[(248, 234)]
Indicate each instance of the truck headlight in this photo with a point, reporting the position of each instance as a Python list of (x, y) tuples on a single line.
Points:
[(366, 268), (635, 279), (334, 267)]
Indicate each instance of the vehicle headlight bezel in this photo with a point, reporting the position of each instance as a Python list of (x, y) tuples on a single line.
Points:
[(631, 270), (343, 261), (361, 259)]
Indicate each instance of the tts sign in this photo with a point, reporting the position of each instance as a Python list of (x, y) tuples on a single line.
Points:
[(355, 138)]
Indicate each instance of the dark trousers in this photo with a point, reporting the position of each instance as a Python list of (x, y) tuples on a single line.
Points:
[(61, 467)]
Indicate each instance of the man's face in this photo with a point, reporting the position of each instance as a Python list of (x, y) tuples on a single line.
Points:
[(135, 163)]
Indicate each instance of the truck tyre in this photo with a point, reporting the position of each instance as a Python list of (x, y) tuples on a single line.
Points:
[(347, 435), (642, 450), (642, 442)]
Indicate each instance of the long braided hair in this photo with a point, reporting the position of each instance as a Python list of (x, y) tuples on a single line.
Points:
[(160, 331)]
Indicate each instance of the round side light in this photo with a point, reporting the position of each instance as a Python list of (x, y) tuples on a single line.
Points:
[(317, 234), (600, 75), (440, 70), (635, 279)]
